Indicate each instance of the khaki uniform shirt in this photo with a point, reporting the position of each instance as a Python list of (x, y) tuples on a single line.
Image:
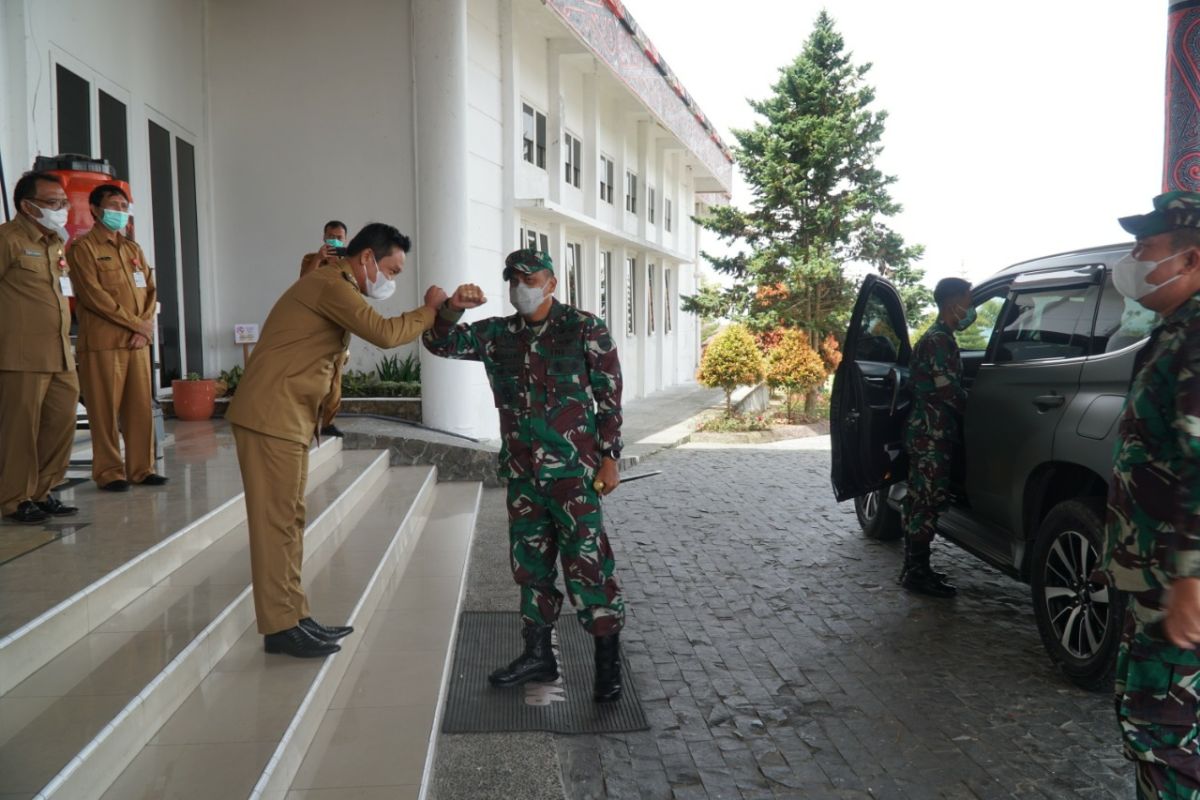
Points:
[(106, 276), (35, 317), (291, 369)]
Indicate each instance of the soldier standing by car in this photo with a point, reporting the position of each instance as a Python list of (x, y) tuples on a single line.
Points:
[(934, 434), (1152, 528)]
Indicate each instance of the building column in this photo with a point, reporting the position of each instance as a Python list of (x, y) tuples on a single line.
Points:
[(439, 40), (1181, 167), (591, 144)]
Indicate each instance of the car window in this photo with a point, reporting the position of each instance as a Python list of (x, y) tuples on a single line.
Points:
[(1047, 323), (979, 333), (877, 339), (1120, 321)]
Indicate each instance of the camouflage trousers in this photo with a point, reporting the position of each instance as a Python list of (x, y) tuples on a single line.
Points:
[(562, 518), (1158, 707), (930, 471)]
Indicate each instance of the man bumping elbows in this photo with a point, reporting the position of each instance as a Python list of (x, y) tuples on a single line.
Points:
[(38, 386), (277, 409), (116, 324), (557, 384)]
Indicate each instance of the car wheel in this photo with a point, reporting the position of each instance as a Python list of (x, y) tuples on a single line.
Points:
[(1079, 620), (877, 519)]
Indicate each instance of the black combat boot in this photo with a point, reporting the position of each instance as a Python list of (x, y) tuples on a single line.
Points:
[(608, 668), (537, 663), (918, 577)]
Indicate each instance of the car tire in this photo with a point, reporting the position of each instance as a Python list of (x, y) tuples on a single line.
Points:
[(877, 519), (1079, 620)]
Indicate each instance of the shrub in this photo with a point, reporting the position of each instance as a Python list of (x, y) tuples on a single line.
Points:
[(737, 423), (391, 368), (732, 359), (794, 367), (228, 381), (356, 383)]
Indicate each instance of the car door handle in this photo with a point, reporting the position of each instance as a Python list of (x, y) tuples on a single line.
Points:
[(1045, 402)]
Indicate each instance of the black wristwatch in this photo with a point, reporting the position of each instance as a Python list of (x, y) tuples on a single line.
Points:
[(615, 455)]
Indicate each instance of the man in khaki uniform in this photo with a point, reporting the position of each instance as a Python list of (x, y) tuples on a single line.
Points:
[(334, 237), (38, 387), (278, 406), (116, 299)]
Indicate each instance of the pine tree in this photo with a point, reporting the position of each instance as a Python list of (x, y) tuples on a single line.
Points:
[(818, 202)]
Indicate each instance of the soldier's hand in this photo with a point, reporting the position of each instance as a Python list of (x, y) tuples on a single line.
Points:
[(434, 297), (1182, 623), (467, 296), (608, 477)]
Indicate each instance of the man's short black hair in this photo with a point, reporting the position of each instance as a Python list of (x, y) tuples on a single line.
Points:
[(335, 223), (105, 190), (948, 289), (381, 238), (26, 188)]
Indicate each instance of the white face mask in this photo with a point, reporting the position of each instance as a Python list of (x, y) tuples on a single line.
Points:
[(54, 219), (1129, 276), (381, 288), (527, 299)]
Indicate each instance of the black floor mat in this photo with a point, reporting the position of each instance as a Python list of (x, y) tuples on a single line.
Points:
[(487, 640)]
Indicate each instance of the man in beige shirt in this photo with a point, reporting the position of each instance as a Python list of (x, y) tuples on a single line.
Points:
[(38, 387), (333, 238), (278, 406), (116, 301)]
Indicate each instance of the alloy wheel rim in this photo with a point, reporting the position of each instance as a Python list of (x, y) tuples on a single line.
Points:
[(1076, 606)]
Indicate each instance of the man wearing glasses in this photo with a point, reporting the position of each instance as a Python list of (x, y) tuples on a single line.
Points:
[(38, 387)]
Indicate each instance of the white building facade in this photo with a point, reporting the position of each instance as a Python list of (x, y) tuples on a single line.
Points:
[(475, 126)]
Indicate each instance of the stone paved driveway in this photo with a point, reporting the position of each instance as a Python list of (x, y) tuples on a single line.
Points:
[(777, 658)]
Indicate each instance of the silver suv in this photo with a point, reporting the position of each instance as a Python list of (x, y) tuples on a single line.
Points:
[(1047, 365)]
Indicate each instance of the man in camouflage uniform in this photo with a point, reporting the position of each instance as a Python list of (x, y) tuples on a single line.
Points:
[(557, 384), (1152, 529), (934, 434)]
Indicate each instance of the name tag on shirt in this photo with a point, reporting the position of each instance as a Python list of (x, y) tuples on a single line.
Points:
[(139, 279), (29, 252), (64, 283)]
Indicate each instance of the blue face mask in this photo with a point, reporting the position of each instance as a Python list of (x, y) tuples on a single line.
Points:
[(968, 320), (334, 243), (114, 220)]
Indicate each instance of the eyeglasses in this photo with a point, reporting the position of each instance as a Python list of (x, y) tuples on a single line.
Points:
[(53, 204)]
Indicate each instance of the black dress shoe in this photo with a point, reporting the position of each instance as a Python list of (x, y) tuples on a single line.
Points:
[(28, 513), (331, 430), (56, 508), (323, 632), (299, 643), (153, 479), (115, 486)]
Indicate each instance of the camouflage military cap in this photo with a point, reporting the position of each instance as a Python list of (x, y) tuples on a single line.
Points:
[(1172, 211), (527, 260)]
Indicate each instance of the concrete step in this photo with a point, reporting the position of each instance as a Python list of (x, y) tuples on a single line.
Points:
[(244, 729), (70, 728), (128, 543), (377, 733)]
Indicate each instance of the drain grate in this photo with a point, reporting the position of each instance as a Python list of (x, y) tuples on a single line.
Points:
[(487, 640)]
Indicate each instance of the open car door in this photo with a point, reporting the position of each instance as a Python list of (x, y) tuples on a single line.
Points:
[(871, 400)]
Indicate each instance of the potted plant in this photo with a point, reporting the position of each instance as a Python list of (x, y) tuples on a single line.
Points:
[(194, 398)]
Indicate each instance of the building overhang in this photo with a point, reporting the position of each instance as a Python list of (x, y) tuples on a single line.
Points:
[(540, 210), (614, 38)]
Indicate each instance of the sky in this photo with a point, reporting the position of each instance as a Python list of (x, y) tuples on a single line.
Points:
[(1015, 129)]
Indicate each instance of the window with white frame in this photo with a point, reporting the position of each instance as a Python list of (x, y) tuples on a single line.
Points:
[(77, 101), (651, 198), (605, 286), (535, 240), (574, 273), (631, 192), (668, 300), (667, 214), (573, 158), (607, 176), (630, 296), (650, 299), (533, 135)]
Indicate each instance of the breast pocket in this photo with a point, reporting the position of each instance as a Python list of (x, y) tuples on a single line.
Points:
[(32, 263), (566, 377), (111, 277)]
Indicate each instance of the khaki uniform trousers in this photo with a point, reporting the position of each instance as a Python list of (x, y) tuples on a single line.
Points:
[(274, 475), (116, 390), (37, 430)]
